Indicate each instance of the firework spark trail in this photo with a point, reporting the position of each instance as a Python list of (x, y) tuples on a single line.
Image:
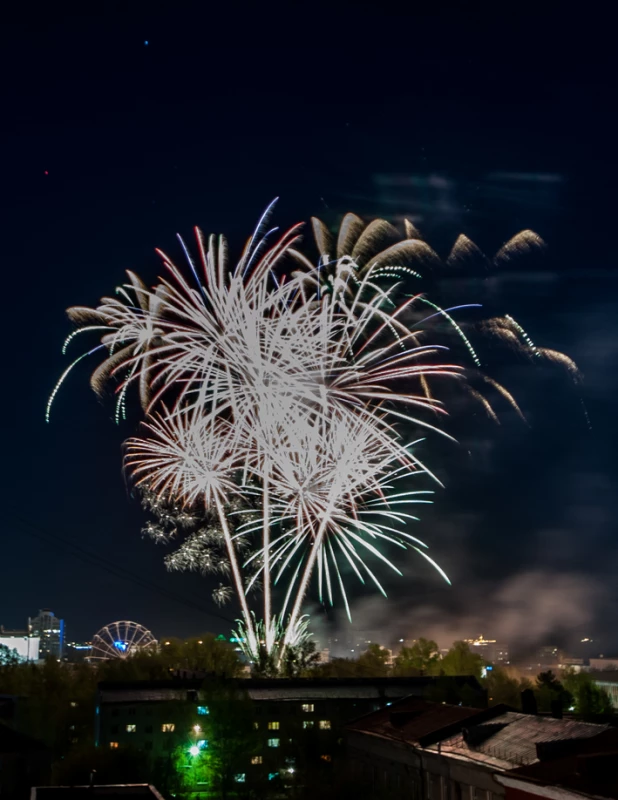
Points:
[(298, 388)]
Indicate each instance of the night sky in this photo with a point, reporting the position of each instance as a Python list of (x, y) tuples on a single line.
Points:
[(124, 126)]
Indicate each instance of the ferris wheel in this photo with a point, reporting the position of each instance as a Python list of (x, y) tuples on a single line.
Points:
[(121, 640)]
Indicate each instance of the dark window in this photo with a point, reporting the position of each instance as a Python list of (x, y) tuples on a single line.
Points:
[(114, 729), (192, 695), (169, 744), (148, 729), (132, 712), (147, 745), (115, 712)]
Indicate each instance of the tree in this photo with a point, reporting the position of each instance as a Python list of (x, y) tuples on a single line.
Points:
[(337, 668), (8, 657), (373, 662), (204, 654), (551, 694), (588, 698), (232, 739), (503, 688), (299, 660), (460, 660), (420, 659)]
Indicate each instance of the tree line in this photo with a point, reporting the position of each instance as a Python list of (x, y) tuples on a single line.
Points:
[(56, 701)]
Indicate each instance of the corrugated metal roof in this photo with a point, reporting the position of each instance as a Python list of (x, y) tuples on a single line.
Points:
[(328, 693), (412, 719), (278, 689), (515, 744)]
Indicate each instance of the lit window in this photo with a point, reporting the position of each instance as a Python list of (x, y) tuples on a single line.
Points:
[(131, 728), (308, 708), (202, 711), (256, 725), (113, 745), (324, 724), (273, 726), (273, 742), (307, 723), (256, 760), (168, 727), (197, 729), (272, 775), (73, 704), (202, 744), (241, 777), (326, 757)]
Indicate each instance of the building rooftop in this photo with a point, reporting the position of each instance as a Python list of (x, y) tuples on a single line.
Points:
[(512, 739), (497, 737), (282, 688), (419, 721), (84, 792), (583, 766)]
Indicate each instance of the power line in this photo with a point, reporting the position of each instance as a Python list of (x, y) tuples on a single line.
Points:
[(109, 566)]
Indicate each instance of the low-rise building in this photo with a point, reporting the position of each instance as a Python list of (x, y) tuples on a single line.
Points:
[(602, 663), (23, 643), (490, 650), (297, 723), (569, 770), (434, 751)]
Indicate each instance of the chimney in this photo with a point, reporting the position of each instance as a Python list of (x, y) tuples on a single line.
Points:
[(528, 702)]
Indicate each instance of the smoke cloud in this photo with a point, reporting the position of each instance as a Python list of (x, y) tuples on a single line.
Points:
[(529, 609)]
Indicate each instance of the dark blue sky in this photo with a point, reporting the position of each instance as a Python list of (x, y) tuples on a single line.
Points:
[(440, 115)]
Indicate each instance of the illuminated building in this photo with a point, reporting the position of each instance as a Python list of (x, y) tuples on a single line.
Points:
[(50, 631), (76, 652), (490, 650), (25, 645), (548, 655), (298, 722)]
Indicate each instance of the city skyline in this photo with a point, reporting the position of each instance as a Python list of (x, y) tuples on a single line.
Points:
[(524, 525)]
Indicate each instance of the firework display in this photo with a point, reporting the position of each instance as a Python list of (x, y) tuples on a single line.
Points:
[(281, 406)]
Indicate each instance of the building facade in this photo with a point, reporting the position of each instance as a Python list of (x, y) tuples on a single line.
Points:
[(50, 630), (22, 642), (490, 650), (430, 751), (296, 724)]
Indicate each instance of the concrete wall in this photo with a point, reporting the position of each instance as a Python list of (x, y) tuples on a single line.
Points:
[(390, 768)]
